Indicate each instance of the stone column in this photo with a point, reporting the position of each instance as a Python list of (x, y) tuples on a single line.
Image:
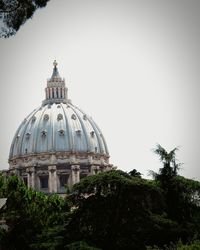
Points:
[(55, 185), (53, 179), (28, 177), (33, 177), (37, 182), (65, 94), (55, 94), (75, 174), (50, 179), (51, 93)]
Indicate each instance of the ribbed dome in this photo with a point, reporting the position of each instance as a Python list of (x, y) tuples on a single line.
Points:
[(58, 128)]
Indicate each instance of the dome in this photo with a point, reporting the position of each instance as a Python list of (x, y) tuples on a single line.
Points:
[(57, 144), (58, 127)]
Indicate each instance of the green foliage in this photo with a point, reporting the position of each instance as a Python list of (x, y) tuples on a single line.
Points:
[(135, 173), (29, 213), (179, 246), (103, 183), (80, 245), (116, 211), (170, 166), (109, 210), (15, 13), (2, 187), (50, 238), (192, 246), (181, 195), (135, 212)]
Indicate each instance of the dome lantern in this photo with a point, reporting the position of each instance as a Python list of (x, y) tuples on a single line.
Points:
[(56, 91)]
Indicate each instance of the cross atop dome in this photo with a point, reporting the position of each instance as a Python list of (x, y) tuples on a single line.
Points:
[(55, 71), (55, 64)]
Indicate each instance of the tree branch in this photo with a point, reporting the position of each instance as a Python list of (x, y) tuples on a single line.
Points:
[(5, 9)]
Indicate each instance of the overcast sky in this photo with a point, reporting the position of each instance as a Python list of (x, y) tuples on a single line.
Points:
[(131, 65)]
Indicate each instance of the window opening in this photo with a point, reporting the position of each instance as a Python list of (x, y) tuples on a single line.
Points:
[(44, 182)]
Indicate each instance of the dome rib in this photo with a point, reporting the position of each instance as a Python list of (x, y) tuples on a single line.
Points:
[(23, 126), (97, 135), (35, 131), (11, 153), (103, 145), (100, 137), (70, 141), (83, 128), (39, 147)]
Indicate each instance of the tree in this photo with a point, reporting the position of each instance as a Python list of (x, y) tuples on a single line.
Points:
[(80, 245), (15, 13), (33, 218), (135, 173), (170, 166), (109, 210), (116, 211), (182, 195)]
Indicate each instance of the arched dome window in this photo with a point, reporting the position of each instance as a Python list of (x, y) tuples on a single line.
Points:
[(73, 117), (33, 119), (28, 135), (46, 117), (43, 133), (59, 117), (61, 132)]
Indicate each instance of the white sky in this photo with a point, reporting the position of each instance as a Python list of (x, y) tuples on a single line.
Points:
[(131, 65)]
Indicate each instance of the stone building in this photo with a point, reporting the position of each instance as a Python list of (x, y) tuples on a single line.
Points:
[(57, 144)]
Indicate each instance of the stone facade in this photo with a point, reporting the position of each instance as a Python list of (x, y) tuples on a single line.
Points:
[(46, 173)]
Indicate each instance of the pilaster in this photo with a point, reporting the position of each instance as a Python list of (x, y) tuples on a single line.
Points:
[(31, 177), (28, 177), (53, 187), (75, 174)]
